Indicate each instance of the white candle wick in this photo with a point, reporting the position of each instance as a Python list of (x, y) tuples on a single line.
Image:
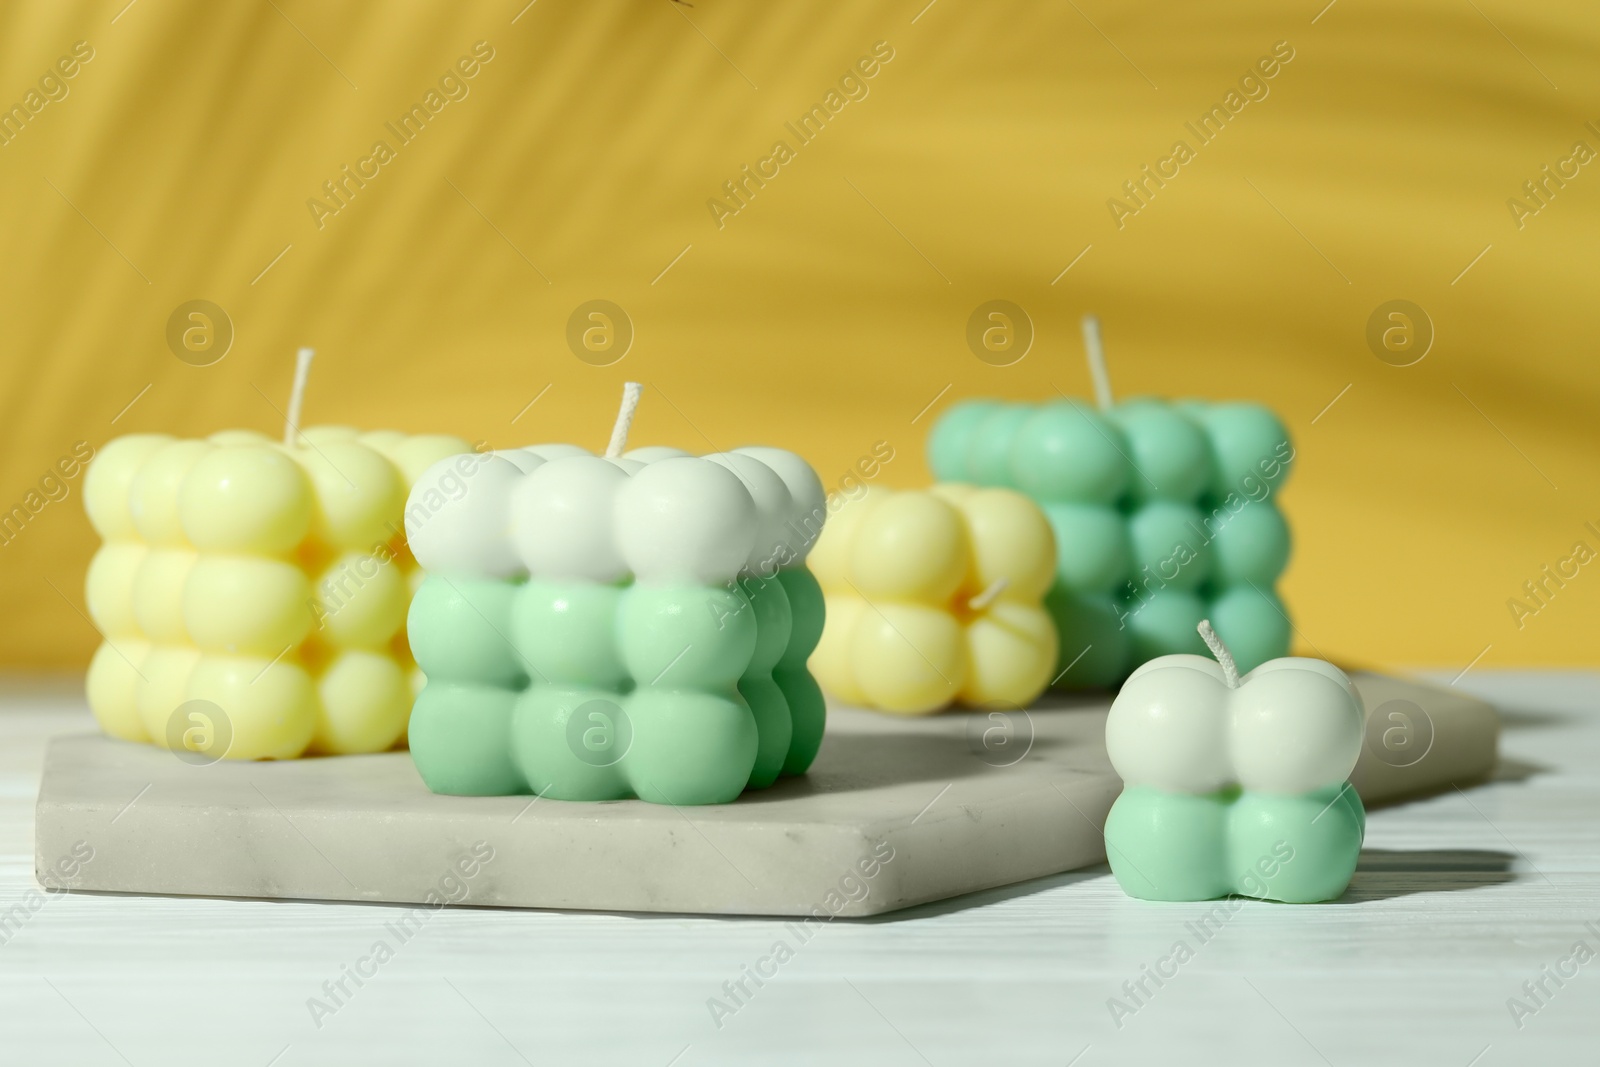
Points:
[(619, 432), (1230, 669), (1097, 362), (297, 394), (989, 595)]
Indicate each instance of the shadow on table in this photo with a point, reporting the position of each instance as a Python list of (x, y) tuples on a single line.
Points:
[(1510, 769), (1383, 873), (983, 897), (1524, 718)]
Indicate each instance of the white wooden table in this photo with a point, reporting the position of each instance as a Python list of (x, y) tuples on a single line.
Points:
[(1460, 900)]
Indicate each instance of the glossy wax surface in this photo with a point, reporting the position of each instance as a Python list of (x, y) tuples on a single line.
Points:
[(1175, 846), (1235, 789), (268, 582), (1164, 514), (595, 629), (910, 629)]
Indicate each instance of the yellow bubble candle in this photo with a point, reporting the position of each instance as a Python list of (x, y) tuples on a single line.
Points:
[(252, 593), (933, 598)]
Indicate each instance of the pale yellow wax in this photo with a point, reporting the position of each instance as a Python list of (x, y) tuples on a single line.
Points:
[(915, 617), (268, 580)]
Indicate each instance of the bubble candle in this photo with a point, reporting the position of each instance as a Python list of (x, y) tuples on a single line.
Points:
[(1235, 784), (1164, 514), (252, 593), (627, 625)]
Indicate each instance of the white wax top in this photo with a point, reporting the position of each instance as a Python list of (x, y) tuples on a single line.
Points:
[(1292, 725), (659, 514)]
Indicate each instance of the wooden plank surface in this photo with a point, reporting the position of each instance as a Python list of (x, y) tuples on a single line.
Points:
[(1460, 899)]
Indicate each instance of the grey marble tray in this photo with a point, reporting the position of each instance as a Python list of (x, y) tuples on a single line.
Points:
[(895, 812)]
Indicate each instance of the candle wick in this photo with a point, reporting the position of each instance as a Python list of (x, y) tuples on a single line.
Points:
[(297, 394), (1230, 669), (989, 595), (1097, 362), (619, 432)]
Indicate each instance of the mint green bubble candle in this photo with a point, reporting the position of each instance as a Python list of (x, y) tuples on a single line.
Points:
[(1235, 785), (627, 625), (1164, 514)]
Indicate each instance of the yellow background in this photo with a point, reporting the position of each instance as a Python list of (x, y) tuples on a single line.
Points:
[(832, 309)]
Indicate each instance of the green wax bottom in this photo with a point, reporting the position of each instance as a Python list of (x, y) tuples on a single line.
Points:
[(576, 691), (1176, 846)]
